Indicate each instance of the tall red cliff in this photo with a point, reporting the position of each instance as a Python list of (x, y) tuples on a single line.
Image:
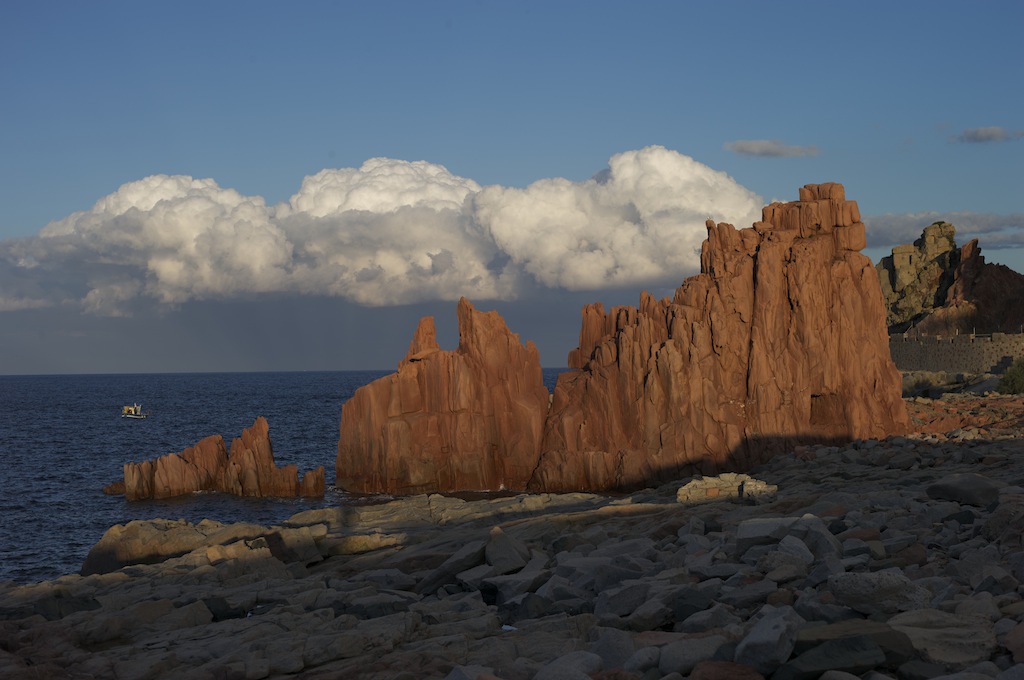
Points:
[(468, 419), (780, 339)]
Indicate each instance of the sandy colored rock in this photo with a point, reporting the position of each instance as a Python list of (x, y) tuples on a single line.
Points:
[(780, 340), (916, 277), (249, 470), (152, 541), (936, 288), (468, 419), (729, 486)]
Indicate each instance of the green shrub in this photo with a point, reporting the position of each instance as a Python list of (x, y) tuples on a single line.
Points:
[(1013, 379)]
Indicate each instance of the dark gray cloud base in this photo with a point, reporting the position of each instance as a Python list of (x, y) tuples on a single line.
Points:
[(992, 133), (770, 148)]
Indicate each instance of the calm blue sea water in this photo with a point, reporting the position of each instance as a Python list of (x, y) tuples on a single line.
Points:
[(62, 440)]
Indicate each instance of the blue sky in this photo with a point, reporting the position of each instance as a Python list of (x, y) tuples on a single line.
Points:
[(228, 145)]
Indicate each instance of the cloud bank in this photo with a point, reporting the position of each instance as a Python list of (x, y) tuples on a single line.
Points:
[(771, 148), (390, 232)]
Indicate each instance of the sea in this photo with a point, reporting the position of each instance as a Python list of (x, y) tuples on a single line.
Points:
[(62, 439)]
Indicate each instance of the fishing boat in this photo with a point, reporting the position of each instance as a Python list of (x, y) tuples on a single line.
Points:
[(133, 411)]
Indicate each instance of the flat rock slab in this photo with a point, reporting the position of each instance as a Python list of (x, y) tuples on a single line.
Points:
[(946, 638)]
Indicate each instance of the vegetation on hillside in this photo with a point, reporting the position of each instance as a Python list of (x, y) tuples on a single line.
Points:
[(1013, 379)]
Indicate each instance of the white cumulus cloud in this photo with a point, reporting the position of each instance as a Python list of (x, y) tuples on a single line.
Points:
[(389, 232), (171, 238), (381, 185), (640, 222)]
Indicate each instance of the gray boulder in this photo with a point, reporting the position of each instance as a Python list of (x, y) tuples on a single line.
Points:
[(969, 488), (771, 640), (880, 592)]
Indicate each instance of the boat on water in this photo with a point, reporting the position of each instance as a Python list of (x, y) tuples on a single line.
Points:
[(133, 411)]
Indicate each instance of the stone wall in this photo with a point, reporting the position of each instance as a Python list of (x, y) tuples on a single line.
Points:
[(955, 354)]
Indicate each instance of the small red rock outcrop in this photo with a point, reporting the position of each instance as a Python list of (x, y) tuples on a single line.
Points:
[(468, 419), (248, 470), (780, 340)]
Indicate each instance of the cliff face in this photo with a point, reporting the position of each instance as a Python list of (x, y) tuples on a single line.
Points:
[(983, 298), (779, 340), (471, 418), (248, 470), (937, 288), (916, 277)]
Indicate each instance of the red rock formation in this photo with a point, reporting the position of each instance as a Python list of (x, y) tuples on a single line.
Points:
[(249, 470), (780, 339), (466, 419)]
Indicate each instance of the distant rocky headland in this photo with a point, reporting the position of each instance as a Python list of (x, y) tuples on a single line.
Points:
[(955, 322), (932, 287)]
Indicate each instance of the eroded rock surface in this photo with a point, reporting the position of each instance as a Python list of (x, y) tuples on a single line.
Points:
[(248, 470), (916, 277), (471, 418), (780, 339), (937, 288)]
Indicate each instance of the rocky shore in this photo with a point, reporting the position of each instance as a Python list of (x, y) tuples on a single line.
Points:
[(900, 558)]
